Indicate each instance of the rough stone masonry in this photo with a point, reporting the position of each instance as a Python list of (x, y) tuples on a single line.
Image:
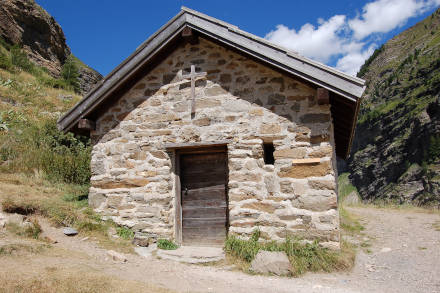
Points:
[(240, 101)]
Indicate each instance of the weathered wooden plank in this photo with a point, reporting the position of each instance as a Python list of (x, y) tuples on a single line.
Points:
[(204, 206), (322, 96), (194, 145), (178, 213), (204, 223), (203, 199), (208, 179), (209, 203), (204, 213), (205, 233), (199, 184)]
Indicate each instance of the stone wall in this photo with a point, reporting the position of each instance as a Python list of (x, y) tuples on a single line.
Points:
[(241, 101)]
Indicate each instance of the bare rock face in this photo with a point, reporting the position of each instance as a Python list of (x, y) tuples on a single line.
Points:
[(396, 149), (88, 78), (24, 22), (27, 24)]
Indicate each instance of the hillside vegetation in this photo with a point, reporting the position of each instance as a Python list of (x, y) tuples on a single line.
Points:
[(396, 150), (31, 101)]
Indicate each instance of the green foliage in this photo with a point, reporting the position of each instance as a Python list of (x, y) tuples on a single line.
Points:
[(243, 249), (380, 110), (303, 257), (29, 147), (4, 44), (19, 58), (125, 233), (166, 244), (11, 118), (348, 223), (6, 62), (70, 73), (16, 59), (344, 186), (367, 63), (434, 148)]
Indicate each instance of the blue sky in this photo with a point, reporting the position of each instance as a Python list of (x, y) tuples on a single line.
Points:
[(338, 33)]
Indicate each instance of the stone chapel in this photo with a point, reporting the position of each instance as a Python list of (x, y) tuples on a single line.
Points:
[(207, 131)]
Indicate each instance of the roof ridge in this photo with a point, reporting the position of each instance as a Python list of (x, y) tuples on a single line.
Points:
[(287, 51)]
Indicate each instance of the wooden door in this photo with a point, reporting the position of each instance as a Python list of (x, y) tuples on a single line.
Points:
[(203, 196)]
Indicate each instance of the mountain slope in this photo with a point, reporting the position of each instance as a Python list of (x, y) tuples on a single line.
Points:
[(25, 23), (395, 154)]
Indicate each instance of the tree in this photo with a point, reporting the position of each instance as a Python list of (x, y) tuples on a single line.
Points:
[(70, 73)]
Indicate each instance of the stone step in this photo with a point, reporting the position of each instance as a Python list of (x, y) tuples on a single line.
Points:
[(193, 254)]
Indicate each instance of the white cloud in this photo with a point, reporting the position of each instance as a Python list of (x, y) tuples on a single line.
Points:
[(352, 61), (347, 39), (318, 43), (385, 15)]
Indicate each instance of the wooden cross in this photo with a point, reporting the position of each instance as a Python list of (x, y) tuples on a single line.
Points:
[(193, 76)]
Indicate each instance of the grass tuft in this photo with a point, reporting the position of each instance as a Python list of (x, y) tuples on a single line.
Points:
[(349, 223), (166, 244), (303, 257), (125, 233)]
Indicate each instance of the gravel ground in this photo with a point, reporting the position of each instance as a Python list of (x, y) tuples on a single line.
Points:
[(401, 253)]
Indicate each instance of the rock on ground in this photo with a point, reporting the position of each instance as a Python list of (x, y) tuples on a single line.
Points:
[(70, 231), (271, 262), (15, 219), (116, 256)]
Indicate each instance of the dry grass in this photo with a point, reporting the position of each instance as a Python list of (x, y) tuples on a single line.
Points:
[(54, 280), (28, 188), (15, 249), (35, 195), (31, 97), (399, 207), (436, 226)]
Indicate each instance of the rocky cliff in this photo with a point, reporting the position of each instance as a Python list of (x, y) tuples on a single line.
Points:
[(27, 24), (396, 150)]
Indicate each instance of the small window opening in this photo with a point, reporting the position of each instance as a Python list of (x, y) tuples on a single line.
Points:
[(268, 153)]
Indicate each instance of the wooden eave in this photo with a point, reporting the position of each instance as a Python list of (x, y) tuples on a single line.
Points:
[(345, 90)]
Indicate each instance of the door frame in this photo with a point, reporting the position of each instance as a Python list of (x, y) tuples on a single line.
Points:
[(200, 149)]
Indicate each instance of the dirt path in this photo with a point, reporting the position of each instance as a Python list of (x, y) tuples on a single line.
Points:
[(404, 256)]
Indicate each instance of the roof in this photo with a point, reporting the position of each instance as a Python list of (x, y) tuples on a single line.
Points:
[(345, 90)]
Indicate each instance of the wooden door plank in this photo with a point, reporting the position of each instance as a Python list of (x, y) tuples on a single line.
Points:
[(204, 201)]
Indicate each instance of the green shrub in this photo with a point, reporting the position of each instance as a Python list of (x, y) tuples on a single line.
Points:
[(19, 58), (125, 233), (6, 62), (166, 244), (62, 157)]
